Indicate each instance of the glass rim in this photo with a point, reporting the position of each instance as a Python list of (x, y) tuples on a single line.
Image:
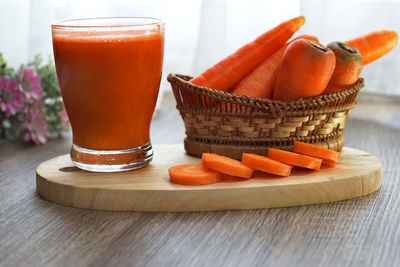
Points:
[(69, 23)]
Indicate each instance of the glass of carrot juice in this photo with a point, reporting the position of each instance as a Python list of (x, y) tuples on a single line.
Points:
[(109, 71)]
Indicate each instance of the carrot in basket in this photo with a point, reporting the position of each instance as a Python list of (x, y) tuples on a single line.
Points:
[(226, 165), (260, 82), (265, 164), (329, 157), (193, 174), (375, 44), (229, 71), (348, 67), (305, 70), (294, 159)]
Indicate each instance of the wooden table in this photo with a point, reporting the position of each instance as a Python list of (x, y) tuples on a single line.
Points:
[(363, 231)]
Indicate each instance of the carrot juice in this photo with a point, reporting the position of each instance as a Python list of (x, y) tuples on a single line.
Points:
[(109, 71)]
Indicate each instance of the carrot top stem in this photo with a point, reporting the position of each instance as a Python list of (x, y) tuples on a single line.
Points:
[(348, 48), (319, 46)]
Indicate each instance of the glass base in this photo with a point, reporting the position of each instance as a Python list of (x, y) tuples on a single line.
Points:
[(111, 160)]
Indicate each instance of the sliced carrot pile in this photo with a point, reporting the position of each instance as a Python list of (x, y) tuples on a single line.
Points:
[(265, 164), (294, 159), (193, 174), (329, 157), (216, 168), (226, 165)]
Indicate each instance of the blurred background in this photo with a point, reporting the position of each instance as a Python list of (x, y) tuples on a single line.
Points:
[(200, 32)]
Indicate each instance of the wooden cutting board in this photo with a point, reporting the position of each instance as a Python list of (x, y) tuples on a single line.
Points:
[(356, 174)]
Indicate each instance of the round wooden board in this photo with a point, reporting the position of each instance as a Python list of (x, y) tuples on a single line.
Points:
[(356, 174)]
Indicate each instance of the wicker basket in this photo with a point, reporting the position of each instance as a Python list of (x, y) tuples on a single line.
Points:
[(230, 124)]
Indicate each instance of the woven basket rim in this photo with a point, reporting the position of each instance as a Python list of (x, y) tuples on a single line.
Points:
[(284, 106)]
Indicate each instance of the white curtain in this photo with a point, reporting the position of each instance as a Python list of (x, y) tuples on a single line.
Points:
[(201, 32), (226, 25)]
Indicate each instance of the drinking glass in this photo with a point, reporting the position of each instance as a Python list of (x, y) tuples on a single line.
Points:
[(109, 71)]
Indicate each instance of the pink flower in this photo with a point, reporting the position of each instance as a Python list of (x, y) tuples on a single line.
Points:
[(35, 125), (29, 83), (10, 98), (64, 116)]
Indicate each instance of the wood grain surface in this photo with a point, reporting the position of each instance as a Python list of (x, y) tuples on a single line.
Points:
[(358, 232), (357, 173)]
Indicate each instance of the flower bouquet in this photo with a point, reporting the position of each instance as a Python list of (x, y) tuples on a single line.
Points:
[(31, 107)]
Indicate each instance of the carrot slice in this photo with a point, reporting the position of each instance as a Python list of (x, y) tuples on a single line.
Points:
[(328, 163), (305, 71), (260, 82), (348, 67), (229, 71), (328, 156), (375, 44), (193, 174), (294, 159), (265, 164), (231, 179), (226, 165)]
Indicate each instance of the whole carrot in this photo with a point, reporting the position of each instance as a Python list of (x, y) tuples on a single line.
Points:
[(375, 44), (229, 71), (260, 82), (348, 67), (305, 70)]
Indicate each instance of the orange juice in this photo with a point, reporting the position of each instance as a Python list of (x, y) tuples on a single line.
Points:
[(109, 77)]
